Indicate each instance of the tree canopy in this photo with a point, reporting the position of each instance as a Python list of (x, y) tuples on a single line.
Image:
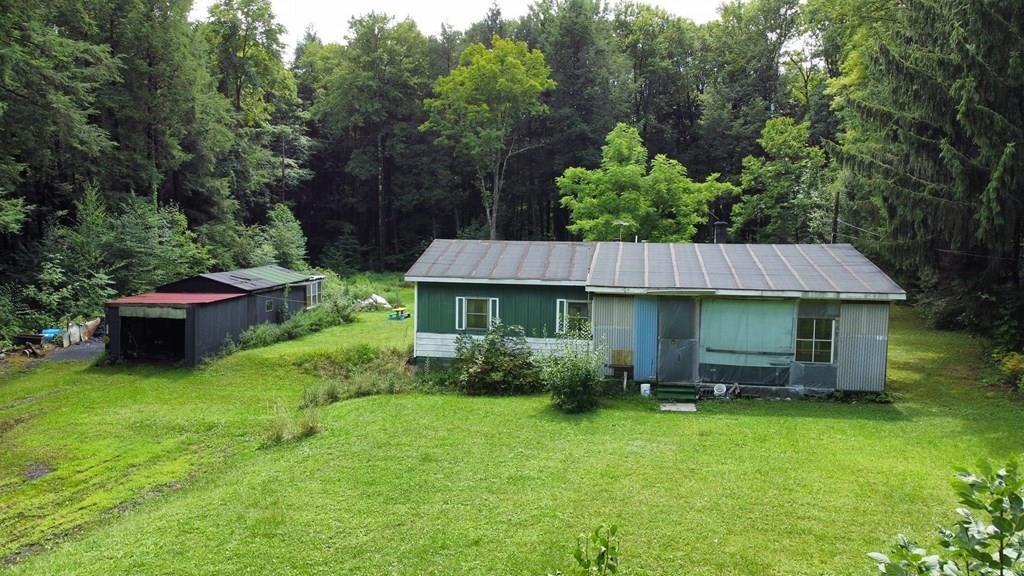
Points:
[(482, 108), (892, 125), (626, 197)]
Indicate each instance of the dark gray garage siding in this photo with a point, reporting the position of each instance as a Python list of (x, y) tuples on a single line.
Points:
[(217, 321)]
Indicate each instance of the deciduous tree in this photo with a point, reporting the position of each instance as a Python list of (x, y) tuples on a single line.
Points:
[(624, 197), (481, 110)]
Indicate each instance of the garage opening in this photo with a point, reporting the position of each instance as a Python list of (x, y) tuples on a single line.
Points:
[(153, 339)]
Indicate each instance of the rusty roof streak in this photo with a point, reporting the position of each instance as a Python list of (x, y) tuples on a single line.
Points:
[(760, 267), (446, 247), (490, 274), (618, 262), (675, 265), (703, 271), (788, 267), (572, 259), (647, 275), (547, 261), (593, 258), (522, 260), (818, 270), (732, 270), (845, 267)]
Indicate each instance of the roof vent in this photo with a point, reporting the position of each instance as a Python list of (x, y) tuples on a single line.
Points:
[(721, 232)]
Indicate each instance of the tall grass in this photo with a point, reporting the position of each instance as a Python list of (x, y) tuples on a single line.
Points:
[(385, 284), (355, 371)]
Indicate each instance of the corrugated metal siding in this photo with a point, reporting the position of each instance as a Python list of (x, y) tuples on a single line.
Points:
[(113, 333), (613, 318), (532, 307), (215, 322), (645, 325), (862, 341)]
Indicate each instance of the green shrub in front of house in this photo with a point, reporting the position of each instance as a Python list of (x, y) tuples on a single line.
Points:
[(497, 363), (575, 375)]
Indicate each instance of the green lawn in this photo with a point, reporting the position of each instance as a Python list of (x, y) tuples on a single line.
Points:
[(443, 484)]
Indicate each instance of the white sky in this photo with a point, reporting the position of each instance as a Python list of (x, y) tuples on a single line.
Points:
[(330, 17)]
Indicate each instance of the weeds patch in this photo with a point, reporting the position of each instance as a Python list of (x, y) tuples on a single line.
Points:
[(286, 426), (355, 371)]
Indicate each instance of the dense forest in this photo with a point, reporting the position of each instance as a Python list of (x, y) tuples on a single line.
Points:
[(137, 146)]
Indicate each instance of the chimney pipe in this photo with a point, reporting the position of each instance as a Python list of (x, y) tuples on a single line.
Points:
[(721, 233)]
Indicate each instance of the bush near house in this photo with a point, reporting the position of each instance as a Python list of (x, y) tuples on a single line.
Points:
[(574, 376), (498, 363)]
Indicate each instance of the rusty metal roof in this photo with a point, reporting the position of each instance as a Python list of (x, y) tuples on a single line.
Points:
[(171, 299), (504, 261), (805, 270), (759, 268)]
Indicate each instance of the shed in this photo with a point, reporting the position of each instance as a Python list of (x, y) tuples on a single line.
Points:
[(795, 317), (190, 319)]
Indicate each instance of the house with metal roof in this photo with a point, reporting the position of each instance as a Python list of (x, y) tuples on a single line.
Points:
[(804, 318), (190, 319)]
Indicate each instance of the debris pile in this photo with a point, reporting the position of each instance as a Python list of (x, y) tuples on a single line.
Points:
[(38, 344), (374, 302)]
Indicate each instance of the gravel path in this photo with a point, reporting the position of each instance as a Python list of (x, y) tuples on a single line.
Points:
[(84, 352)]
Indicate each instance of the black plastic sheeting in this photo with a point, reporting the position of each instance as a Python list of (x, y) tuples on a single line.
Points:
[(750, 375)]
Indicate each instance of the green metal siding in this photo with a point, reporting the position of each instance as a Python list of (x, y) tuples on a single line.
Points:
[(532, 307)]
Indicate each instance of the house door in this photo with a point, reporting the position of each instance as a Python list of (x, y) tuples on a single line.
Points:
[(677, 339)]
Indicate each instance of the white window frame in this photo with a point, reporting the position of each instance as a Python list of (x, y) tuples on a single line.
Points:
[(461, 311), (268, 306), (562, 312), (313, 290), (814, 338)]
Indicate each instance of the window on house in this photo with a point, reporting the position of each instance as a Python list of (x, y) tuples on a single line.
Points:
[(269, 306), (814, 340), (475, 313), (572, 315), (313, 294), (477, 316)]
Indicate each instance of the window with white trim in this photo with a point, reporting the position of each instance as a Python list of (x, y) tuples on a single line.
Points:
[(814, 338), (572, 315), (269, 305), (313, 294), (475, 313)]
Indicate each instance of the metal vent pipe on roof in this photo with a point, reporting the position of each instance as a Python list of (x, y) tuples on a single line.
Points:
[(721, 235)]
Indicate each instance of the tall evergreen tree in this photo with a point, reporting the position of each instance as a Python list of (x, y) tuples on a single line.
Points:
[(934, 115)]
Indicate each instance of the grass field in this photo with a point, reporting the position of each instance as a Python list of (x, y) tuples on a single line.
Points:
[(163, 469)]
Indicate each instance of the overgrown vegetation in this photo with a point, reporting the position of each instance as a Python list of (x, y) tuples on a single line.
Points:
[(355, 371), (574, 375), (286, 425), (986, 540), (340, 300), (497, 363)]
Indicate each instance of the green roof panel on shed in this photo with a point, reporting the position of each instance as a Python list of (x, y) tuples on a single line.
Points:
[(259, 278)]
